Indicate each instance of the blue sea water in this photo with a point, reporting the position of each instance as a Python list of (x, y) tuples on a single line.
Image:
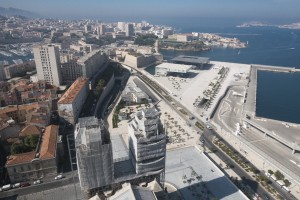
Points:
[(278, 94)]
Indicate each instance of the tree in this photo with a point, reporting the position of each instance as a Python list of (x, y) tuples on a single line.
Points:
[(279, 175), (17, 148), (145, 40), (270, 172), (31, 141), (99, 87), (287, 183)]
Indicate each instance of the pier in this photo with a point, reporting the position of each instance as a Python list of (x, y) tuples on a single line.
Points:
[(275, 68)]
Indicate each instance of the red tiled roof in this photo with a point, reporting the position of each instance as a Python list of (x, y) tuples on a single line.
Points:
[(73, 91), (48, 147), (20, 158), (30, 130)]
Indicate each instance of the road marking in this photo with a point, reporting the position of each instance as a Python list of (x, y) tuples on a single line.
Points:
[(294, 162)]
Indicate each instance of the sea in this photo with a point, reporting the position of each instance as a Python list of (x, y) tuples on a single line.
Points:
[(278, 94)]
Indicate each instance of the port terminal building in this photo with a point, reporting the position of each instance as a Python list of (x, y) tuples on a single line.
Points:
[(198, 62)]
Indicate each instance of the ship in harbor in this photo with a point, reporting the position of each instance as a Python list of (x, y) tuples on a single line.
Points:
[(6, 53), (19, 53)]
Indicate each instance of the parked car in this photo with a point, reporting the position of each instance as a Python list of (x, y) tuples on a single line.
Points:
[(25, 184), (59, 177), (37, 182), (209, 127), (16, 185), (6, 187)]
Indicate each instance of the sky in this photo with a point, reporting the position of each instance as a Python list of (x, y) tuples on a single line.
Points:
[(143, 9)]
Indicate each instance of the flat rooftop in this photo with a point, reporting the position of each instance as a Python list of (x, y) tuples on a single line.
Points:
[(119, 148), (86, 57), (71, 94), (191, 59), (186, 163), (174, 67)]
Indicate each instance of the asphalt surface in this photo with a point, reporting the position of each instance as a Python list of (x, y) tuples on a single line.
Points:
[(39, 188)]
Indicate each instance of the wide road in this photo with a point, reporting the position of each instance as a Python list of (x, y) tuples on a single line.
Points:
[(46, 185), (208, 136), (229, 114)]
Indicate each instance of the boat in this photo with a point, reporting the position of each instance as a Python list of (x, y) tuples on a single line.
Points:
[(5, 53)]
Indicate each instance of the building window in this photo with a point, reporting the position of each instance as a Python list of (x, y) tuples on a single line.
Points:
[(22, 169)]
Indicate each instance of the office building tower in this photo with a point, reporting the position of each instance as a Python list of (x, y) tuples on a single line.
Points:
[(147, 142), (129, 30), (47, 61), (101, 29)]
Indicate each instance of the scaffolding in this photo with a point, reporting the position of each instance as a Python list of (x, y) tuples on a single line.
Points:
[(94, 154)]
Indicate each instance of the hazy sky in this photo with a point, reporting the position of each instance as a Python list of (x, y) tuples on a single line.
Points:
[(256, 9)]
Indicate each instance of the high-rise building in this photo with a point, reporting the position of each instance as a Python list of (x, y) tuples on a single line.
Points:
[(121, 26), (87, 28), (129, 30), (94, 155), (101, 29), (147, 142), (47, 61)]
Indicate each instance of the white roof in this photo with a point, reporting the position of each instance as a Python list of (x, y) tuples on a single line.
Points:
[(175, 67)]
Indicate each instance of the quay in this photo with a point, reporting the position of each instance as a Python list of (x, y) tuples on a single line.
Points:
[(275, 68)]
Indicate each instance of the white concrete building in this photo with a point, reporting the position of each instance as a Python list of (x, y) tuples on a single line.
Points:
[(165, 68), (92, 63), (121, 26), (134, 94), (140, 60), (70, 104), (47, 63), (147, 142), (184, 37)]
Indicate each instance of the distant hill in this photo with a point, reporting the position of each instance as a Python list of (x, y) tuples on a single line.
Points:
[(16, 11)]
